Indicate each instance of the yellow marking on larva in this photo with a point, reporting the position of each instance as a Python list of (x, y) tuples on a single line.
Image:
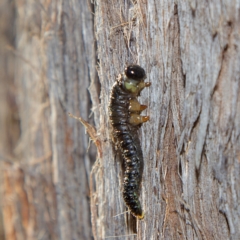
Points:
[(136, 119), (135, 106), (140, 217)]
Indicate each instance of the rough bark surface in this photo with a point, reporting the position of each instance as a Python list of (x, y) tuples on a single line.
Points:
[(46, 166), (191, 182), (190, 51)]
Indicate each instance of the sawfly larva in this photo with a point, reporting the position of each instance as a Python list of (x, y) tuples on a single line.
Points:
[(125, 119)]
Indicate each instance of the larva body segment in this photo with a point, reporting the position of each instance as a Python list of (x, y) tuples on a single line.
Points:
[(125, 119)]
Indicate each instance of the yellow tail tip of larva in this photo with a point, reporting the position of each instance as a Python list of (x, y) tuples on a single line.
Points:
[(140, 217)]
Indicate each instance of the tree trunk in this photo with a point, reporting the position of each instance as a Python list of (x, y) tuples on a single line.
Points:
[(46, 173), (190, 51)]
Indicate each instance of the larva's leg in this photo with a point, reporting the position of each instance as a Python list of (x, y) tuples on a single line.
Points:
[(148, 84), (136, 119), (135, 106), (142, 85)]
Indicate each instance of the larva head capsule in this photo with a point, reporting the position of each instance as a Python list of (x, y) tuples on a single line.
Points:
[(135, 72), (133, 80)]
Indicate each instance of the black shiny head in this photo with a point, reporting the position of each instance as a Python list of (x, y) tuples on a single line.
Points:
[(135, 72)]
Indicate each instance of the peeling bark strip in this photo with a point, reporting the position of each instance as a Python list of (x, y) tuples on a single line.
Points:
[(126, 120)]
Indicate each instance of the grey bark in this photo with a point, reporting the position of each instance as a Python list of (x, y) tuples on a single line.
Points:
[(46, 169), (191, 53)]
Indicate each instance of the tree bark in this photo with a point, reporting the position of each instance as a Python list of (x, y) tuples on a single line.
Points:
[(190, 51), (46, 173), (191, 181)]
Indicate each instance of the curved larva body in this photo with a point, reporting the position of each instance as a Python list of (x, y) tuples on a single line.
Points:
[(125, 119)]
